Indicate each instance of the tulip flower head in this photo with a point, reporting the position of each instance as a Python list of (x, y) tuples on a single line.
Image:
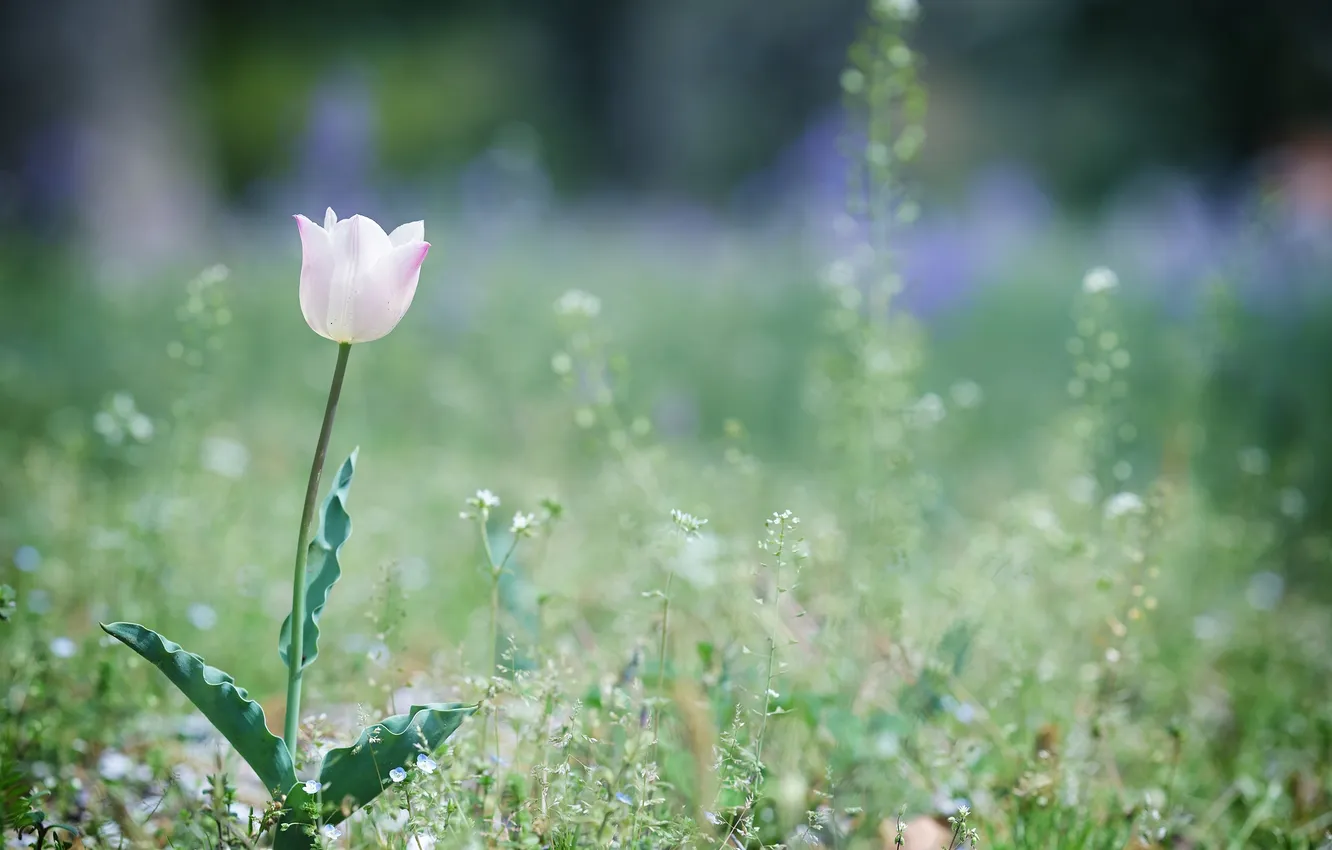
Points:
[(356, 280)]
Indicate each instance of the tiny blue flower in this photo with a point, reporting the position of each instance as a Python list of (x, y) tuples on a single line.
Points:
[(397, 774), (425, 764), (312, 786), (624, 798), (331, 832)]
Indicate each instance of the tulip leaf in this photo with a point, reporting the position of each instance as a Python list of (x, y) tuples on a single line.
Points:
[(353, 776), (214, 693), (296, 831), (321, 566)]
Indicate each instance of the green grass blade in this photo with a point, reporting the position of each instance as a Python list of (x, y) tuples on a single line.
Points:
[(353, 776), (214, 693), (322, 567)]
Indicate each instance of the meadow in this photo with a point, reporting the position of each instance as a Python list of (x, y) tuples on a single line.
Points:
[(727, 548)]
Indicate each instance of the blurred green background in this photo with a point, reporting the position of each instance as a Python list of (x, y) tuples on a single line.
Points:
[(687, 163), (687, 155)]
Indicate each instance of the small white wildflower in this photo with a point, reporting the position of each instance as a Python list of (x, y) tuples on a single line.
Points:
[(331, 832), (201, 616), (426, 764), (576, 302), (1112, 655), (1123, 504), (781, 520), (687, 523), (312, 786), (63, 647), (523, 524), (397, 774), (481, 504), (1099, 279)]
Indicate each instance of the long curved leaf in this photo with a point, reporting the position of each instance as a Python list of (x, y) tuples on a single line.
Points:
[(353, 776), (214, 693), (322, 569)]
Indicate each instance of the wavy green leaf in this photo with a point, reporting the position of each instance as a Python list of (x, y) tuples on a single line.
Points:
[(353, 776), (322, 569), (214, 693)]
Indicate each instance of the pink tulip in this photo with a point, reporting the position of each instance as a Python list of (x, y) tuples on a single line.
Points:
[(357, 281)]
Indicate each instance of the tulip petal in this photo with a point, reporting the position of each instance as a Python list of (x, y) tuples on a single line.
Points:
[(358, 245), (317, 267), (412, 231), (359, 242), (330, 218), (388, 292)]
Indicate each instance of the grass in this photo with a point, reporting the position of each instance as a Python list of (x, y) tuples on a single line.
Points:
[(786, 567), (962, 613)]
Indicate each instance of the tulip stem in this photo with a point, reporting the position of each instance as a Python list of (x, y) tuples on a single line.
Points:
[(296, 652)]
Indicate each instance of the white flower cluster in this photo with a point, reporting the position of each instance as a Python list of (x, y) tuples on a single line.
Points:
[(689, 524), (1099, 279), (576, 302), (480, 505)]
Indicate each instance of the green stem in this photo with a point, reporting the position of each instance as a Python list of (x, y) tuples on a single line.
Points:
[(494, 620), (661, 661), (496, 570), (296, 653), (763, 723)]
